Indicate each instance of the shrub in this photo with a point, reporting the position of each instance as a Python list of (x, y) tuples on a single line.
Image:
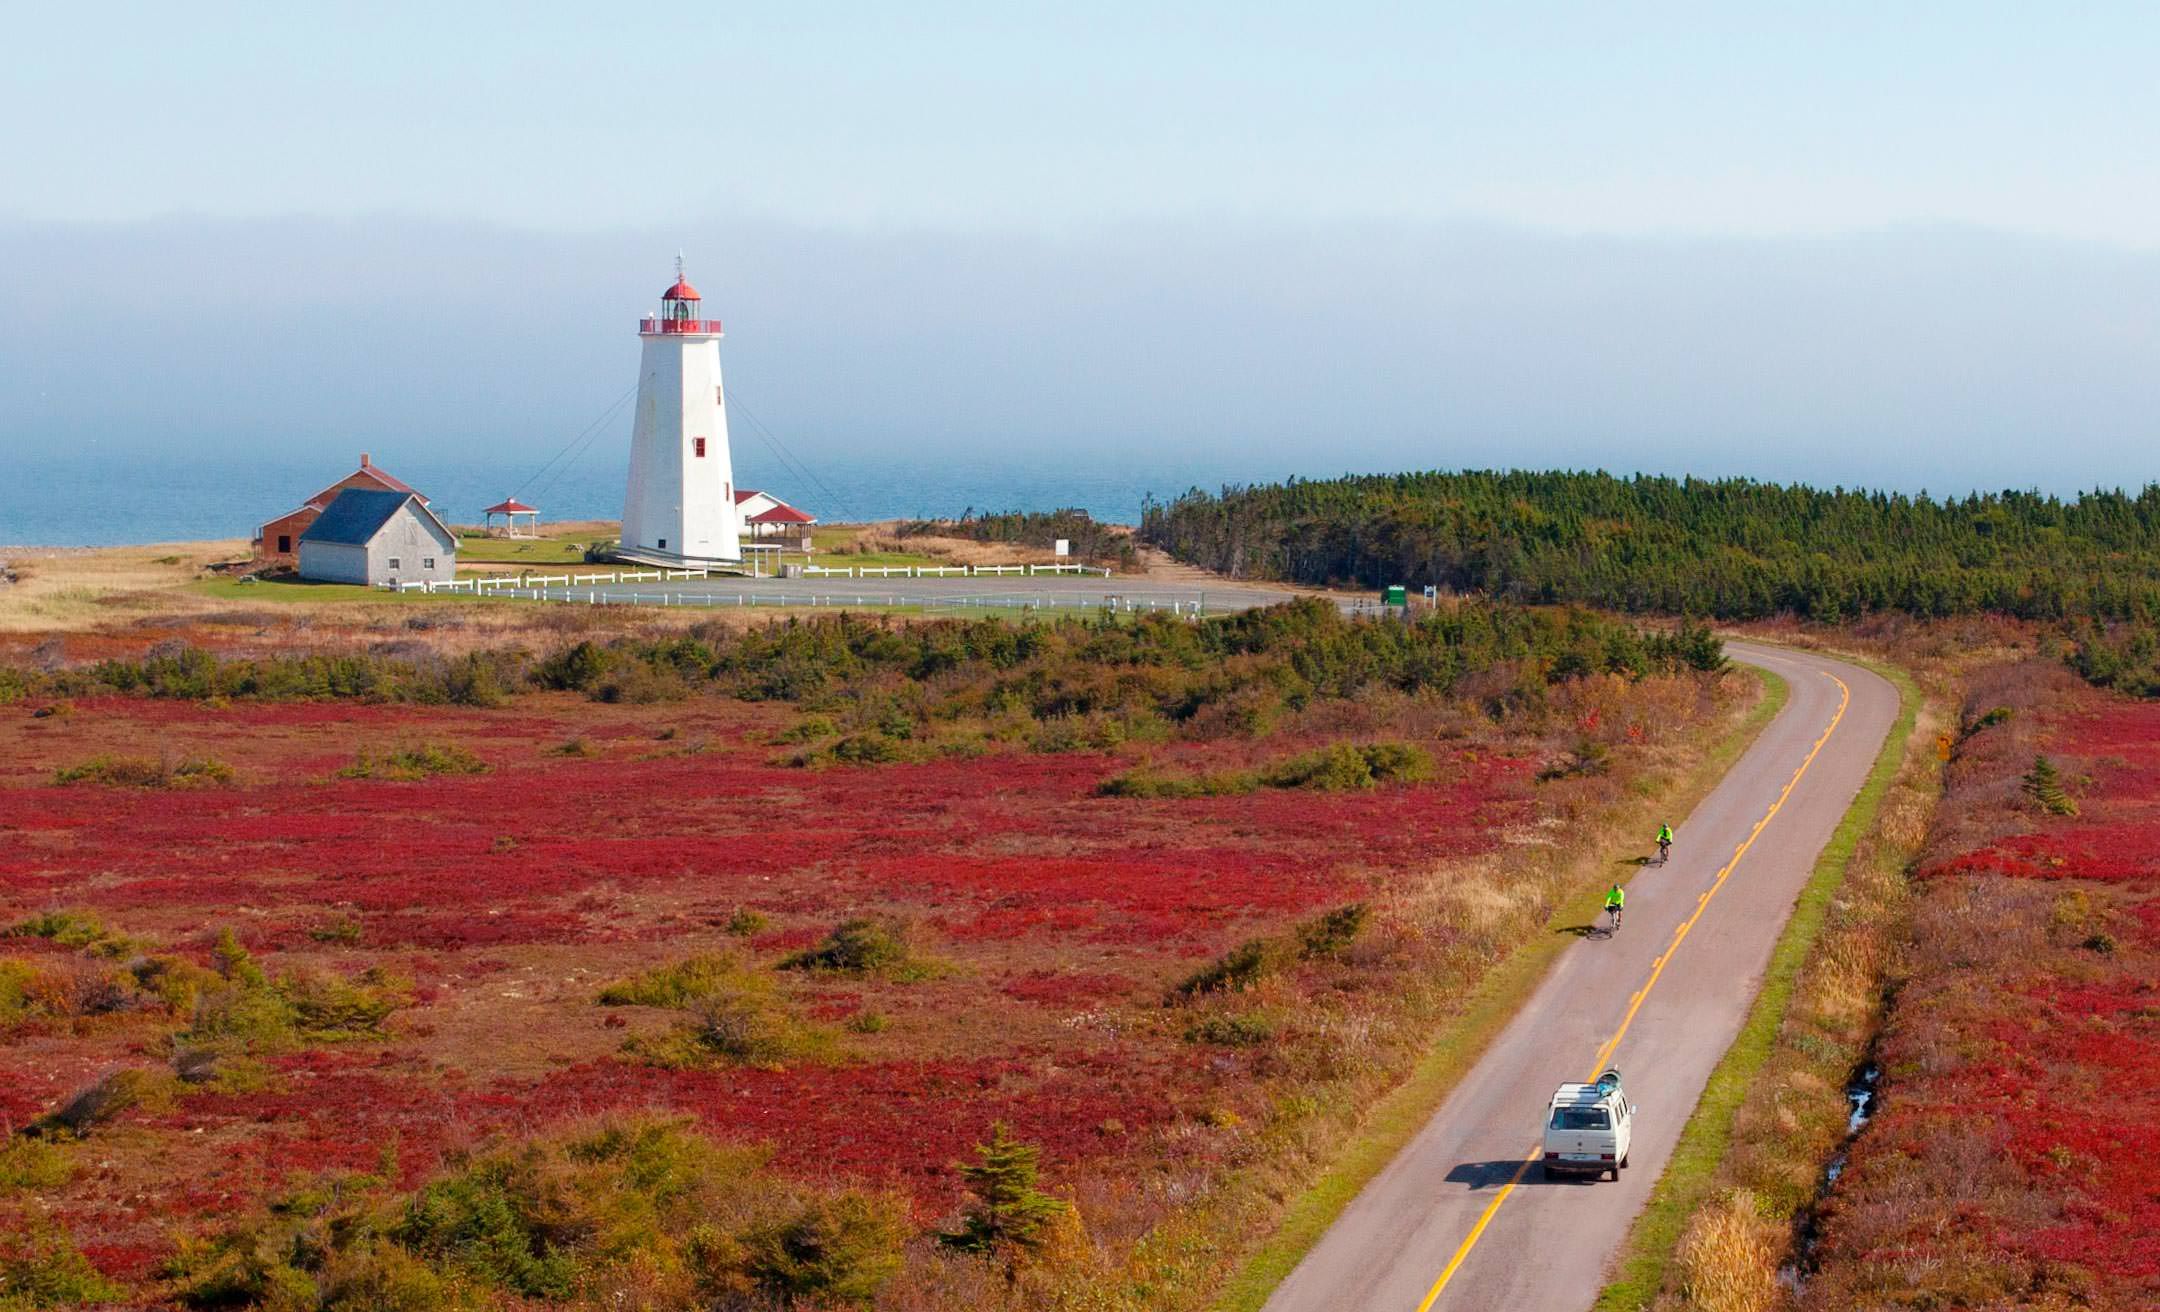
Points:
[(675, 986), (141, 772), (867, 749), (244, 1010), (732, 1015), (81, 930), (856, 947), (747, 1026), (1146, 781), (1346, 767), (345, 930), (1008, 1211), (1398, 763), (809, 728), (639, 684), (417, 762), (325, 1007), (842, 1249), (639, 1205), (40, 1267), (1342, 767), (574, 669), (1233, 972), (474, 679), (27, 1163), (176, 982), (1329, 935), (23, 988), (509, 1220), (107, 1099), (746, 922), (1244, 1030)]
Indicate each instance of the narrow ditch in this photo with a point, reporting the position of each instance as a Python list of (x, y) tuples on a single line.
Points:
[(1861, 1093)]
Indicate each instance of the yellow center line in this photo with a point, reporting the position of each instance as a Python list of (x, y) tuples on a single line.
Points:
[(1657, 970)]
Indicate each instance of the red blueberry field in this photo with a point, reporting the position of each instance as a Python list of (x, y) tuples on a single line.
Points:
[(2010, 1163), (655, 996), (1055, 920)]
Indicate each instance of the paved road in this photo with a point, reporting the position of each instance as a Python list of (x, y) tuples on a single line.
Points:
[(1459, 1220), (1052, 591)]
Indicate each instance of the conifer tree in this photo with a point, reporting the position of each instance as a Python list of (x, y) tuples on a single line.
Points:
[(2043, 783), (1009, 1212)]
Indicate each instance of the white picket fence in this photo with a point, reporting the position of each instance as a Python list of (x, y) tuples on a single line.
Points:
[(944, 571), (1186, 608), (495, 584), (539, 585)]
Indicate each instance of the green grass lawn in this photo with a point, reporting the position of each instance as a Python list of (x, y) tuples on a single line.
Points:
[(522, 551), (291, 589)]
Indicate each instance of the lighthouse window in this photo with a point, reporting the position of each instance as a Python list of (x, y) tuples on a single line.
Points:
[(700, 442), (393, 562)]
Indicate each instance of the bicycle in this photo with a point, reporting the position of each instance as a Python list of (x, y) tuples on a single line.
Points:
[(1614, 912), (1664, 850)]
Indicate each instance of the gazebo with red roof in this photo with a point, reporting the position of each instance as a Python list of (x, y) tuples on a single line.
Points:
[(510, 508)]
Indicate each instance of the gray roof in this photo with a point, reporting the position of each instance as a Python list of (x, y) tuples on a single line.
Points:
[(356, 516)]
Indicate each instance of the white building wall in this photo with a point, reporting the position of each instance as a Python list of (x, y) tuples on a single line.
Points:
[(680, 505), (753, 505), (333, 562), (412, 540), (409, 537)]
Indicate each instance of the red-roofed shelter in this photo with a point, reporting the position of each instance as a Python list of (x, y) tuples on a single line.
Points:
[(511, 509), (766, 517)]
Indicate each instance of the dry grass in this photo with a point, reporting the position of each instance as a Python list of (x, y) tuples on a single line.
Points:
[(59, 588), (1728, 1261)]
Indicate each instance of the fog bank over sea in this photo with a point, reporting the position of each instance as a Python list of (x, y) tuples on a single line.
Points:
[(186, 377)]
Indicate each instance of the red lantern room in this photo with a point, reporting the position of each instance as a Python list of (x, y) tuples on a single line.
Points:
[(680, 306)]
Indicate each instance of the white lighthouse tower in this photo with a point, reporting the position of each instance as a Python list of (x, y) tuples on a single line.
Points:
[(681, 505)]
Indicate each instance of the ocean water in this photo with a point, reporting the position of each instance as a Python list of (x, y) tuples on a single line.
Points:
[(106, 499)]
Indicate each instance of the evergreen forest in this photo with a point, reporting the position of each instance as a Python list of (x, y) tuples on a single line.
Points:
[(1731, 549)]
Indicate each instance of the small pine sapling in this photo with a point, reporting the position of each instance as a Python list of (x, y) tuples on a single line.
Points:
[(1008, 1213)]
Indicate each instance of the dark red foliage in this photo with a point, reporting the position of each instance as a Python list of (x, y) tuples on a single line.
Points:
[(2047, 1062), (509, 897)]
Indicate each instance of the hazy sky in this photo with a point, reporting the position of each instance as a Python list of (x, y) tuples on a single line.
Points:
[(1918, 240), (1673, 118)]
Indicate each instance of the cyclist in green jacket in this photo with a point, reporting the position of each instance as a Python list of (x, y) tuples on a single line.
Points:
[(1664, 842), (1615, 900)]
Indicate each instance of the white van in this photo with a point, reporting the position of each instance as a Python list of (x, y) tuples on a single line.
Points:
[(1588, 1128)]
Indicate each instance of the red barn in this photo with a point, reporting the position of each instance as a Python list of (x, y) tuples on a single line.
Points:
[(278, 542)]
